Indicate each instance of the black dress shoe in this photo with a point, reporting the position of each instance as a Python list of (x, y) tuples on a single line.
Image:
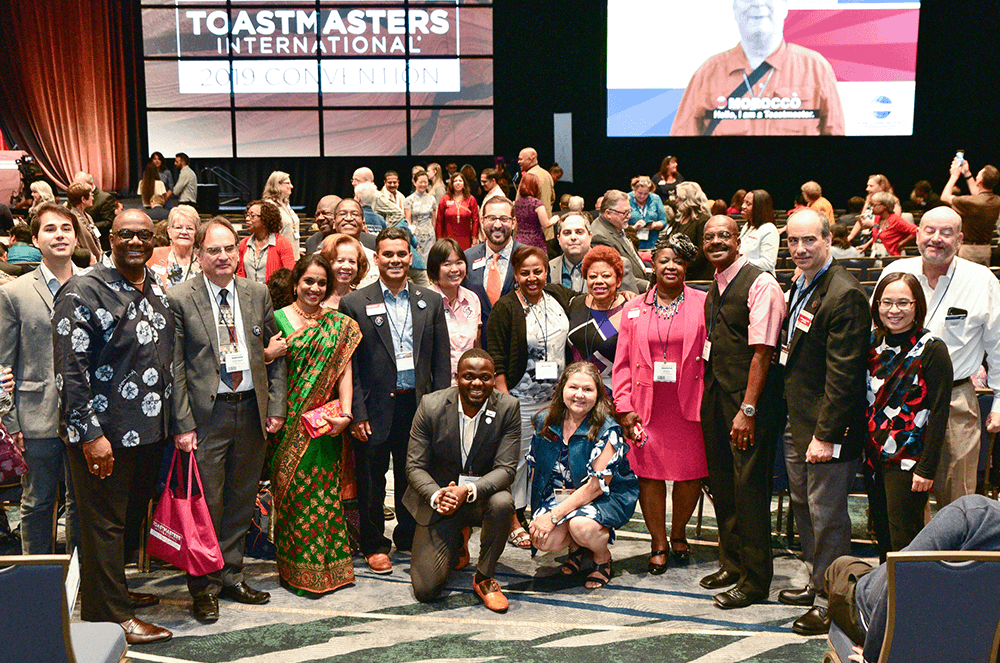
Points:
[(140, 600), (244, 593), (681, 556), (737, 598), (205, 608), (814, 622), (719, 579), (804, 596)]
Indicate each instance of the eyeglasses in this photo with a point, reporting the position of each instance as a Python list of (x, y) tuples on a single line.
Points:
[(626, 213), (902, 304), (349, 215), (722, 234), (216, 250), (126, 234), (252, 215), (493, 218)]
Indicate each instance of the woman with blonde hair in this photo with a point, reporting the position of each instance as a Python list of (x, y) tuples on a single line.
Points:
[(693, 210), (41, 193), (278, 191), (177, 262), (437, 185), (648, 214)]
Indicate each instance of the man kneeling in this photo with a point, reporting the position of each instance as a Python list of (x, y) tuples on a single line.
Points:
[(460, 465)]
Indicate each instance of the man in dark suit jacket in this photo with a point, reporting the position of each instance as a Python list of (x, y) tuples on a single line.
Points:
[(225, 399), (405, 353), (609, 229), (461, 461), (499, 224), (326, 210), (824, 354)]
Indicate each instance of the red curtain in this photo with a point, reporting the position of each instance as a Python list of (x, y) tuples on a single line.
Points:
[(64, 98)]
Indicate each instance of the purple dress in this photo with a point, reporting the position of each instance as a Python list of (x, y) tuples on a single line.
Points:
[(529, 229)]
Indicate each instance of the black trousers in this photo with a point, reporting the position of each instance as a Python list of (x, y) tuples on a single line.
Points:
[(230, 456), (741, 487), (897, 511), (111, 514), (371, 462)]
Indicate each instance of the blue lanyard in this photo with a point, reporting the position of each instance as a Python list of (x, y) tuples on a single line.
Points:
[(802, 298)]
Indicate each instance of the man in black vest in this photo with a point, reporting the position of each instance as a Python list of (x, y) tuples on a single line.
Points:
[(739, 415)]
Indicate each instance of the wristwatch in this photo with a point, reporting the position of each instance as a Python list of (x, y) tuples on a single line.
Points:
[(748, 410)]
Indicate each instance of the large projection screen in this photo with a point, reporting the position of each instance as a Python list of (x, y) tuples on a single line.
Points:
[(234, 78), (813, 67)]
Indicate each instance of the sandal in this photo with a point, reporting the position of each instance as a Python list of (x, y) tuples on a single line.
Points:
[(600, 576), (574, 562), (657, 569), (681, 556), (519, 538)]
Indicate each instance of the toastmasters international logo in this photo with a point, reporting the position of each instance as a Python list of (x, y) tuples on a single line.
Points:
[(880, 107)]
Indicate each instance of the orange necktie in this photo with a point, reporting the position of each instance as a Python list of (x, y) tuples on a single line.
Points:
[(493, 286)]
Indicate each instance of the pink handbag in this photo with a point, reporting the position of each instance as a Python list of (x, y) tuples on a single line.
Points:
[(181, 532), (12, 463)]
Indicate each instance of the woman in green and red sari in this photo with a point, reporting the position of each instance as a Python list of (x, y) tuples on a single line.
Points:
[(310, 532)]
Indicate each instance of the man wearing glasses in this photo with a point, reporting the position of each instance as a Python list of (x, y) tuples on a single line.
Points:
[(112, 351), (609, 229), (490, 275), (963, 310), (225, 399)]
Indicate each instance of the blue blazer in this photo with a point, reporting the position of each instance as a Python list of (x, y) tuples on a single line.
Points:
[(476, 282)]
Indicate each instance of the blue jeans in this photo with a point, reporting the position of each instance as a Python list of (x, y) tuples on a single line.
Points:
[(46, 458)]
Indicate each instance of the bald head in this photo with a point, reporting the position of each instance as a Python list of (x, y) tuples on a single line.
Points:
[(362, 175), (943, 214), (527, 158), (721, 241), (129, 218), (722, 222), (325, 210), (807, 217), (939, 236)]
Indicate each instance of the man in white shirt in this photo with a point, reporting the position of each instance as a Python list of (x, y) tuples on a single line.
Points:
[(963, 310), (491, 188), (390, 192), (381, 205)]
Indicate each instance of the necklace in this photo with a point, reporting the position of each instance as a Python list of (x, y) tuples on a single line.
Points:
[(608, 308), (667, 311), (309, 318)]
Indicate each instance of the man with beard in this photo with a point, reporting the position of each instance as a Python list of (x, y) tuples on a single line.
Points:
[(325, 215), (460, 466), (490, 275), (739, 413)]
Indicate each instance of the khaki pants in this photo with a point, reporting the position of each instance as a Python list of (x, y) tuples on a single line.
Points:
[(976, 253), (956, 471)]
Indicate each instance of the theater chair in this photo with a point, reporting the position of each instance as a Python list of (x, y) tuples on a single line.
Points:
[(942, 607), (36, 611)]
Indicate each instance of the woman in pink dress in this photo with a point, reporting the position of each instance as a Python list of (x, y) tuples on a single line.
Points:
[(658, 378)]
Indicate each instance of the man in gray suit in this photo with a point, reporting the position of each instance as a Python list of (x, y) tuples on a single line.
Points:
[(26, 347), (573, 233), (225, 398), (460, 466), (609, 230)]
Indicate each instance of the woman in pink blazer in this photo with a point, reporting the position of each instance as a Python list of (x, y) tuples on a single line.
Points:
[(658, 381)]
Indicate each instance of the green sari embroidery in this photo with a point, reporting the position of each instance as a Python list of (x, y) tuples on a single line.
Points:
[(310, 533)]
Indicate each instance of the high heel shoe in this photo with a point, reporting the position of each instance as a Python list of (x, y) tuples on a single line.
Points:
[(682, 556), (657, 569)]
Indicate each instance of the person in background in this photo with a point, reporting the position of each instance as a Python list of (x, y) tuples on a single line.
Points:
[(854, 206), (79, 196), (264, 251), (278, 192), (447, 267), (21, 248), (351, 267), (649, 216), (157, 210), (813, 193), (527, 159), (890, 231), (693, 210), (151, 185), (166, 176), (979, 210), (41, 193), (390, 193), (185, 190), (609, 229), (490, 274), (759, 236), (909, 378), (582, 487), (736, 204), (422, 208), (177, 262), (532, 218), (595, 318), (458, 213), (438, 187), (840, 248), (325, 218), (922, 198), (657, 381), (719, 207), (667, 179), (573, 233), (865, 220)]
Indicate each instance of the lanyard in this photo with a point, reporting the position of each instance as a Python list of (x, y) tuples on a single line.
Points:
[(545, 314), (679, 300), (590, 344), (750, 88), (940, 301), (392, 325), (802, 296)]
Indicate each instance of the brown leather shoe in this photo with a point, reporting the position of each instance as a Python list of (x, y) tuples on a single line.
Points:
[(138, 632), (141, 600), (379, 563), (489, 591)]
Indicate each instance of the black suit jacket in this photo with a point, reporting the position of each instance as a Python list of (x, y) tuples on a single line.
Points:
[(825, 388), (374, 362), (475, 278), (434, 457)]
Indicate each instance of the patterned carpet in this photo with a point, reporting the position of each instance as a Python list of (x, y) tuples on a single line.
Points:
[(637, 617)]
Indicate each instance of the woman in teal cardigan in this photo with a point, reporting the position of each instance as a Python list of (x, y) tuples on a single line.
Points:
[(582, 487)]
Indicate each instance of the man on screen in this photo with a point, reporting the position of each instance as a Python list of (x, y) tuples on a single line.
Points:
[(763, 86)]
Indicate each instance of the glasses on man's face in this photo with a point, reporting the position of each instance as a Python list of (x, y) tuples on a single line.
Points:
[(625, 213), (216, 250), (724, 235), (493, 218), (901, 304), (126, 234), (349, 215)]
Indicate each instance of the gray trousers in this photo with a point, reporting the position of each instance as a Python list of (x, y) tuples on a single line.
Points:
[(47, 466), (230, 457), (818, 493), (436, 546)]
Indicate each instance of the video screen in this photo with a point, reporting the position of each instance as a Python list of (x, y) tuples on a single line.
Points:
[(761, 67), (330, 78)]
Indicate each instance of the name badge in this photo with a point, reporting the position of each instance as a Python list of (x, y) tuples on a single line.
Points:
[(706, 351), (237, 362), (634, 313), (156, 290), (404, 361), (375, 309), (804, 321), (546, 370), (642, 234), (783, 356), (664, 371), (836, 450), (466, 478), (560, 494), (450, 203), (479, 263)]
